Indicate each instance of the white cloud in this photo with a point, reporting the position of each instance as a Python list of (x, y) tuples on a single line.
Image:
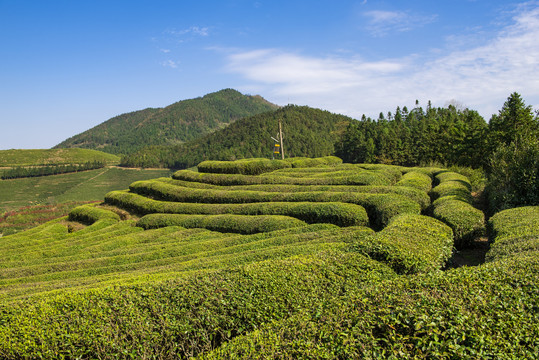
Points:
[(195, 30), (481, 77), (380, 22), (170, 64)]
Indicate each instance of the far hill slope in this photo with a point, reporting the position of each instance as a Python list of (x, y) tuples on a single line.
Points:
[(182, 121), (36, 157), (307, 132)]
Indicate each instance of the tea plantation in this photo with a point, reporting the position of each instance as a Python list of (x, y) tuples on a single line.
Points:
[(301, 258)]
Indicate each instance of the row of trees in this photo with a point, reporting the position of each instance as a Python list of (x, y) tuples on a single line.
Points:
[(33, 171), (442, 135), (507, 147)]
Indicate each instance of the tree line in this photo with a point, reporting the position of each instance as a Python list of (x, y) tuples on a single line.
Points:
[(33, 171), (506, 147)]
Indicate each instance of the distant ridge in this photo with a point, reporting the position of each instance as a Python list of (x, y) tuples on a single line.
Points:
[(307, 132), (177, 123)]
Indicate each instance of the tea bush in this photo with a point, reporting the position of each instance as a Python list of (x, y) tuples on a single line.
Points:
[(417, 180), (243, 224), (514, 232), (90, 214), (410, 244), (466, 221), (341, 214), (362, 178), (380, 207)]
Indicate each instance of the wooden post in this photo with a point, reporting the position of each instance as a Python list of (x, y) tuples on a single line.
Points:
[(281, 138)]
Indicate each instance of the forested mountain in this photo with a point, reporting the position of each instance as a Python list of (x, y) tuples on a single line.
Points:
[(177, 123), (307, 132)]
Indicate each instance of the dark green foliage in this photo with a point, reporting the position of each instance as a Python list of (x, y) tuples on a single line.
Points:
[(340, 214), (182, 121), (23, 172), (88, 214), (410, 244), (466, 221), (513, 179), (307, 132), (515, 123), (513, 170), (227, 223), (514, 232), (447, 136)]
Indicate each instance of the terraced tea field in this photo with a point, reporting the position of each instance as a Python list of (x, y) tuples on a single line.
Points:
[(306, 258)]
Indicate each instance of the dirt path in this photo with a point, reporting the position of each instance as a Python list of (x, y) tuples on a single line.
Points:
[(475, 254)]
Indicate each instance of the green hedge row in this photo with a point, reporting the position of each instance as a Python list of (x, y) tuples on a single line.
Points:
[(446, 176), (361, 178), (514, 232), (301, 162), (245, 166), (413, 194), (180, 318), (341, 214), (256, 166), (89, 214), (410, 244), (466, 221), (227, 223), (484, 312), (417, 180), (452, 205), (380, 207)]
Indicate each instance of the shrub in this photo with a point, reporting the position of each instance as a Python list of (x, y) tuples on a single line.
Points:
[(513, 179), (361, 178), (446, 176), (380, 207), (452, 188), (90, 214), (410, 244), (341, 214), (243, 224), (412, 193), (513, 231), (246, 166), (483, 312), (466, 221), (416, 179), (179, 318)]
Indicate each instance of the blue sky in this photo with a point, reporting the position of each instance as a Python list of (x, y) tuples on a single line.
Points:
[(66, 66)]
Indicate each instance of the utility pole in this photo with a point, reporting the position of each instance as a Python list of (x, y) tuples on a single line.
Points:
[(281, 138)]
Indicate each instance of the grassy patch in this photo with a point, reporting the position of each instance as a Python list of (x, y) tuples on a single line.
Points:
[(82, 186)]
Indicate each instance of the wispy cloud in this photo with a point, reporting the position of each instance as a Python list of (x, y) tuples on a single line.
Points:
[(193, 30), (381, 23), (169, 63), (481, 77)]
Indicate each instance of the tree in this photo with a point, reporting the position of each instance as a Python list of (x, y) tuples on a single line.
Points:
[(514, 123)]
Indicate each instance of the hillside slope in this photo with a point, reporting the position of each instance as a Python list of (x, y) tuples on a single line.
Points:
[(182, 121), (36, 157), (307, 132)]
